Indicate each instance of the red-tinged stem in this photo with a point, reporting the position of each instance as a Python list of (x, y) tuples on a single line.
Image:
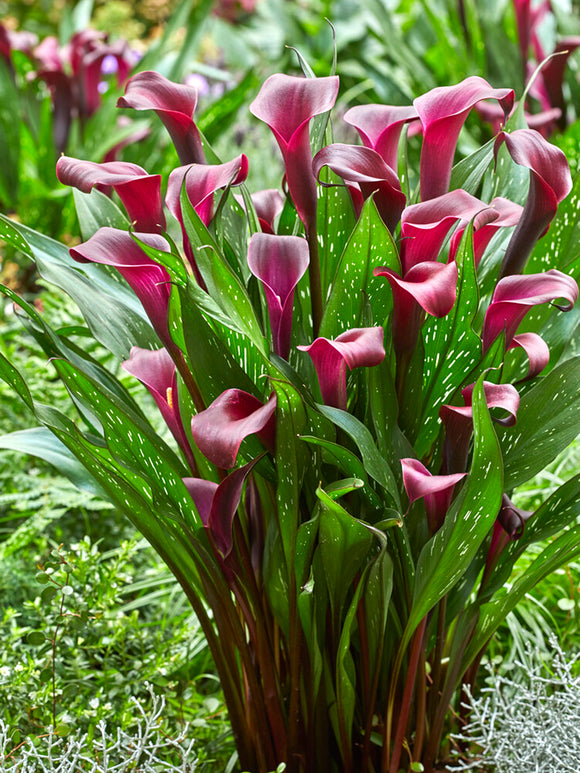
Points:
[(315, 279), (435, 690), (407, 696), (187, 377), (421, 704)]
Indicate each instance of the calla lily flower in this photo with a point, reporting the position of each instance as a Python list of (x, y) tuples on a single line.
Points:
[(279, 262), (513, 297), (425, 225), (380, 127), (458, 421), (174, 104), (509, 525), (157, 371), (218, 431), (140, 192), (217, 504), (149, 280), (287, 104), (355, 348), (542, 122), (268, 205), (553, 75), (364, 168), (436, 490), (426, 287), (443, 112), (550, 182), (508, 215)]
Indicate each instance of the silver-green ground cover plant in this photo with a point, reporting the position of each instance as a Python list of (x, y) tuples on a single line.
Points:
[(356, 371)]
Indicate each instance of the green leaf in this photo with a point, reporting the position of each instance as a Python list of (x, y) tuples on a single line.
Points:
[(36, 638), (336, 220), (9, 136), (95, 210), (548, 421), (468, 173), (370, 245), (216, 118), (450, 551)]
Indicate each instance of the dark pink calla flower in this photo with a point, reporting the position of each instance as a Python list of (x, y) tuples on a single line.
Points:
[(513, 297), (426, 287), (553, 75), (157, 371), (174, 104), (356, 348), (443, 111), (380, 127), (364, 168), (201, 182), (550, 182), (268, 205), (279, 262), (509, 525), (287, 104), (149, 280), (219, 430), (140, 192), (436, 490), (425, 225), (217, 504), (508, 215), (458, 421)]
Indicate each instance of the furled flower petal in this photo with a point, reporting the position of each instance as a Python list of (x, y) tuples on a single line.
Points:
[(380, 127), (443, 111), (430, 287), (217, 504), (550, 182), (365, 168), (536, 350), (219, 430), (174, 104), (437, 490), (515, 295), (512, 519), (355, 348), (508, 214), (279, 262), (287, 104), (268, 204), (157, 371), (425, 225), (149, 280), (140, 192)]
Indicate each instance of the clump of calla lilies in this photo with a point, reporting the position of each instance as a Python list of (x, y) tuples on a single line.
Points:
[(353, 373)]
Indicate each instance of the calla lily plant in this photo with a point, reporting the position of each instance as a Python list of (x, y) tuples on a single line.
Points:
[(350, 376)]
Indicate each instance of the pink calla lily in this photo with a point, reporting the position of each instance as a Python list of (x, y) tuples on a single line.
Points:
[(436, 490), (380, 127), (174, 104), (268, 205), (217, 504), (140, 192), (508, 215), (218, 431), (509, 525), (353, 349), (513, 297), (149, 280), (550, 183), (287, 104), (364, 168), (443, 112), (425, 225), (157, 371), (553, 75), (279, 262), (426, 287)]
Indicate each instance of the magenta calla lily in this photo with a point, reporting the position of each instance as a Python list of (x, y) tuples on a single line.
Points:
[(364, 168), (174, 104), (508, 215), (550, 183), (140, 192), (436, 490), (360, 347), (287, 104), (443, 111), (380, 127), (279, 262), (217, 504), (268, 205), (426, 287), (149, 280), (157, 371), (218, 431), (513, 297), (425, 225), (553, 74)]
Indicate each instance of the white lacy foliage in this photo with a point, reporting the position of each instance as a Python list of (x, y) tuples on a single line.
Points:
[(532, 726), (145, 749)]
